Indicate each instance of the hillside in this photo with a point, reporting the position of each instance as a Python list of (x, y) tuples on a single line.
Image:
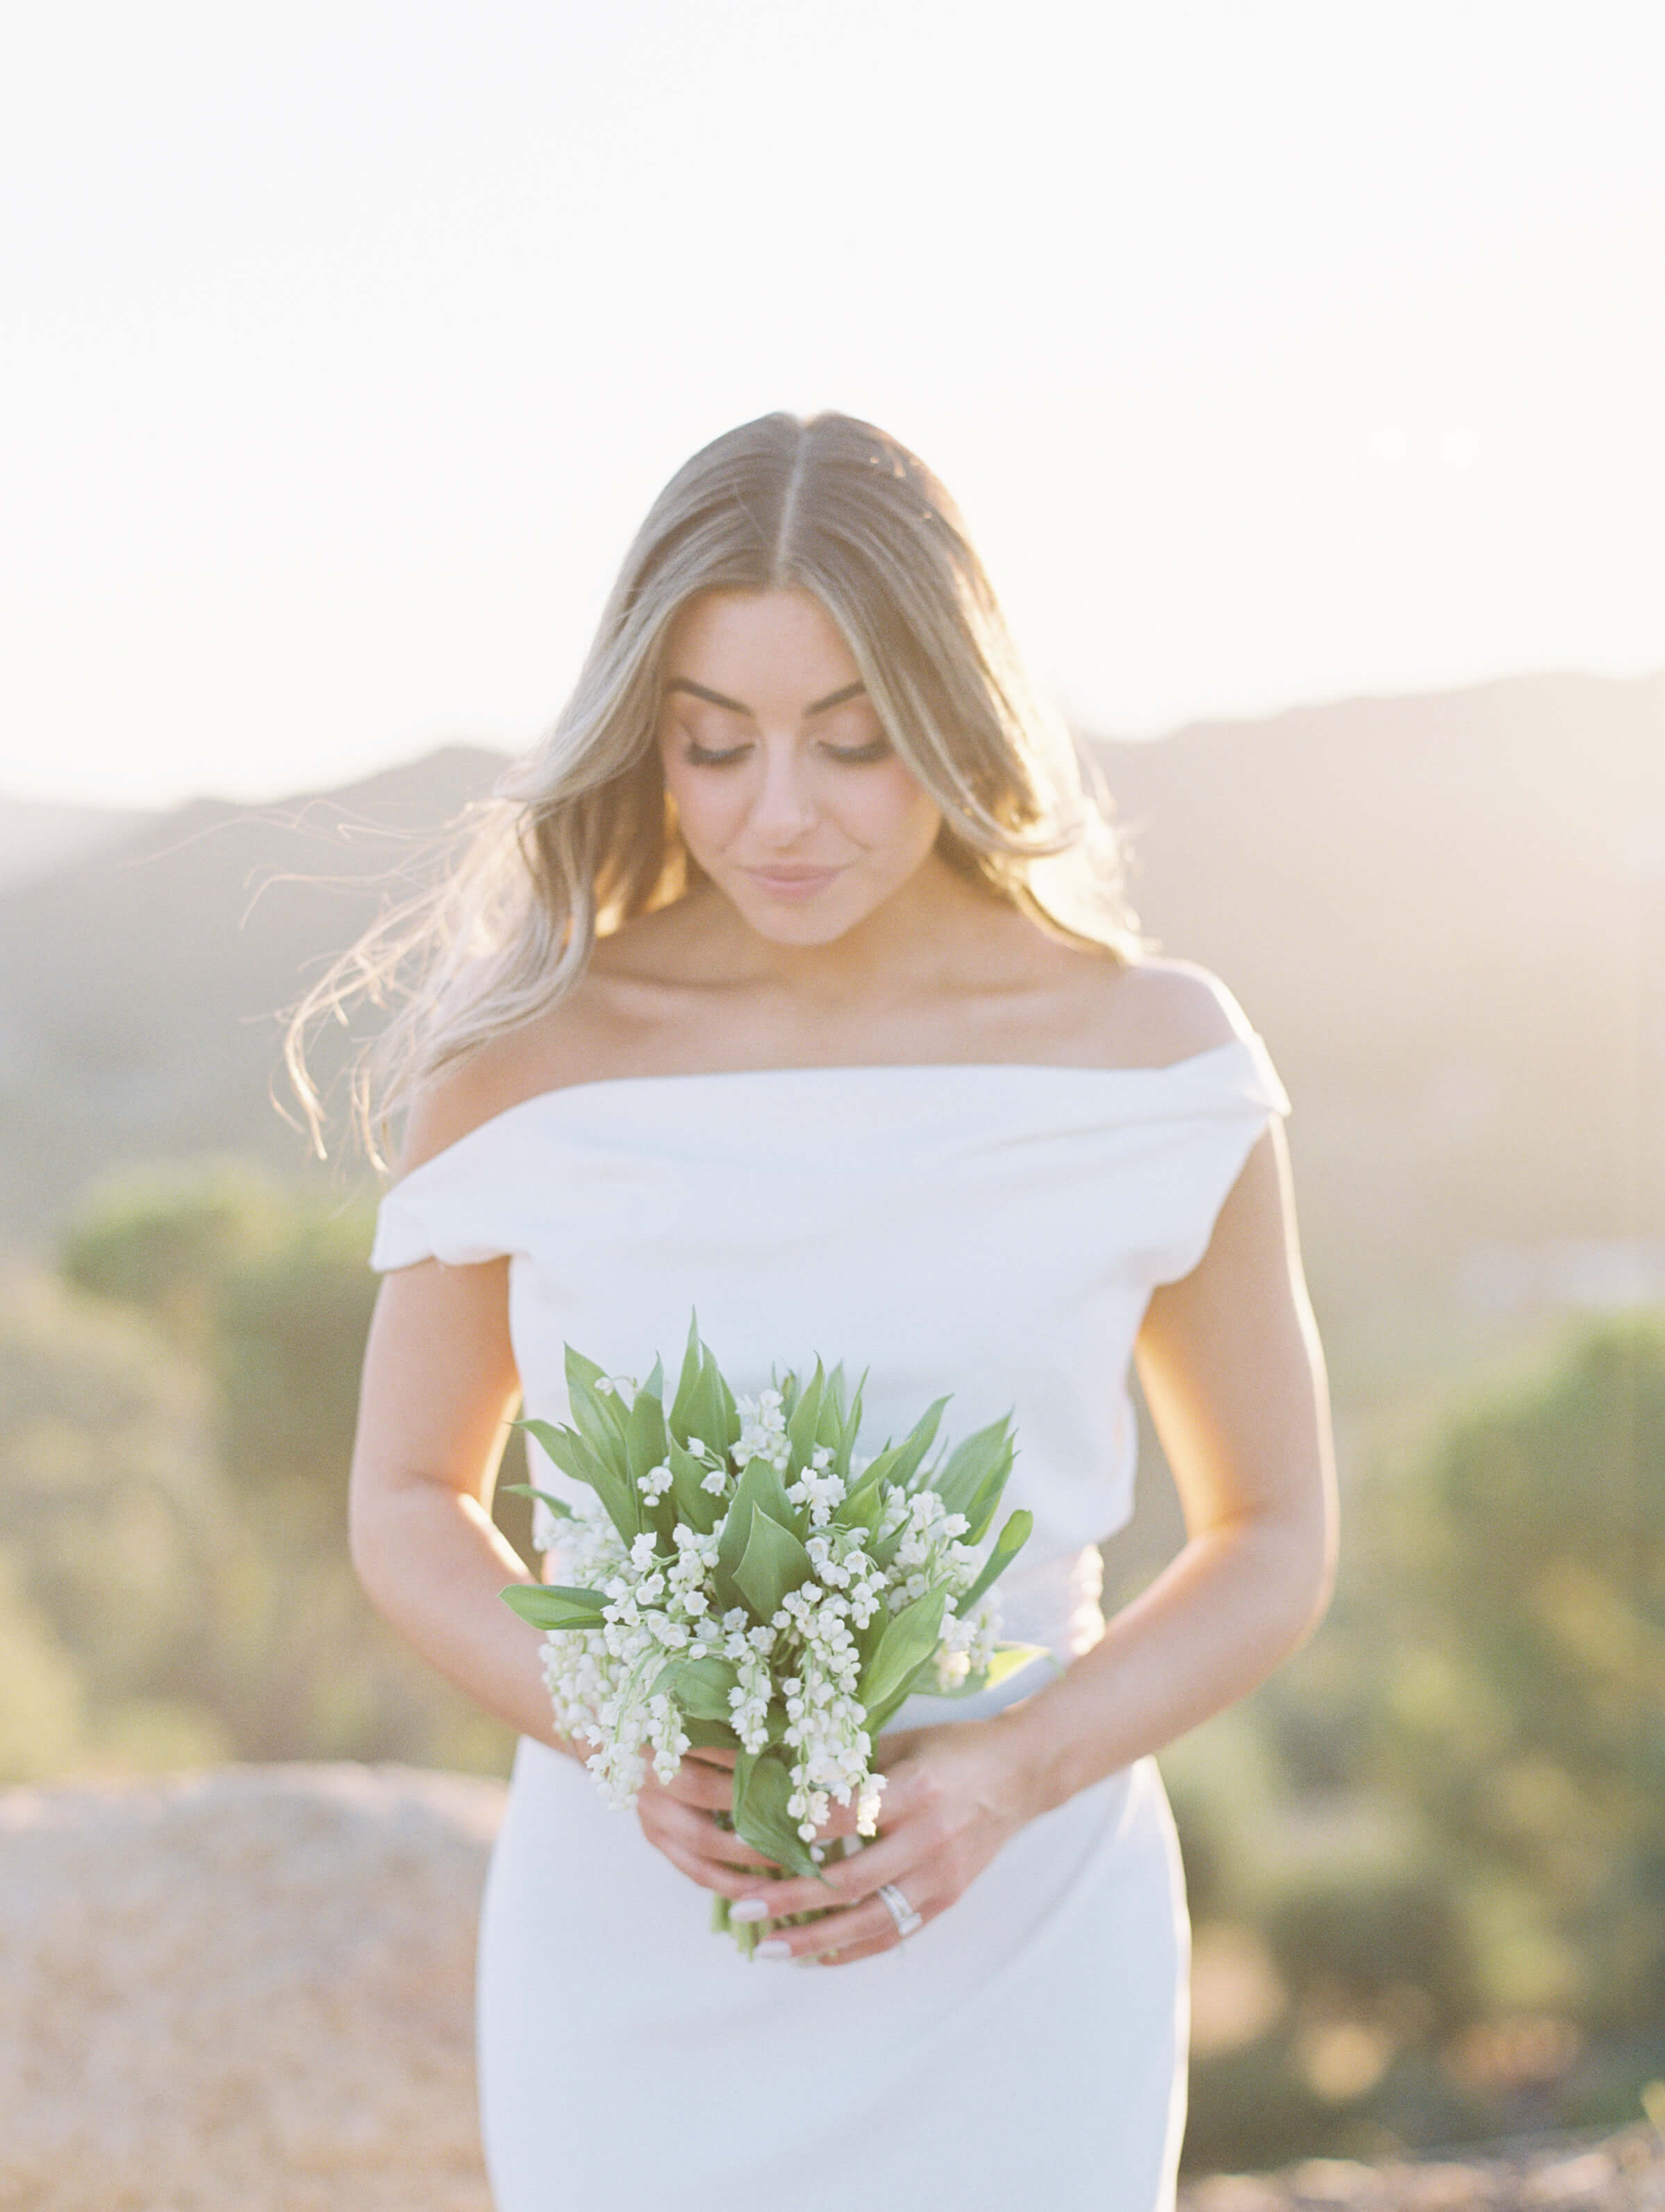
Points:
[(39, 835), (139, 984), (1446, 913)]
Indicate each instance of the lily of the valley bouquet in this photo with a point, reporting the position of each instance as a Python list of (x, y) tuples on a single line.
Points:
[(745, 1580)]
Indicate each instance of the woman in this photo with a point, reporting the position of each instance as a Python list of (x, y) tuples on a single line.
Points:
[(790, 980)]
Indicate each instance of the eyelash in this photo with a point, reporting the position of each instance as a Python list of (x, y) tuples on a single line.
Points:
[(867, 756)]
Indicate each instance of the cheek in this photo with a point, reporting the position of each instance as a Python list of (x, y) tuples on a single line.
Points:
[(705, 805), (892, 812)]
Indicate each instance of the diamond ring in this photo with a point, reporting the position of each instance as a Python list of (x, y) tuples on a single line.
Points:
[(898, 1908)]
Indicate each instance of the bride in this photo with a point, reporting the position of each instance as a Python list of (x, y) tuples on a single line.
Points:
[(791, 979)]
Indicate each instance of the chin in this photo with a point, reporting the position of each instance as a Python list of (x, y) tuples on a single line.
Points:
[(783, 924), (810, 921)]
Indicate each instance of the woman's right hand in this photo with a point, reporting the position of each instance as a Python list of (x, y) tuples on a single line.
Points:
[(679, 1818)]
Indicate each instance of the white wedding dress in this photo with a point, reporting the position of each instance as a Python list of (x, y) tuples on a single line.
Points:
[(992, 1230)]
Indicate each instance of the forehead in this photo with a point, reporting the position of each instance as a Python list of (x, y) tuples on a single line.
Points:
[(740, 642)]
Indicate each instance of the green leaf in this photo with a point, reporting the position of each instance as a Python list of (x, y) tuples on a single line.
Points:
[(557, 1443), (880, 1717), (550, 1605), (710, 1414), (759, 1485), (862, 1509), (865, 1501), (912, 1450), (709, 1736), (601, 1413), (644, 1429), (774, 1562), (687, 1383), (805, 1414), (984, 1506), (983, 1457), (701, 1686), (572, 1454), (829, 1421), (851, 1430), (1007, 1544), (728, 1410), (699, 1508), (763, 1789), (911, 1637), (559, 1506)]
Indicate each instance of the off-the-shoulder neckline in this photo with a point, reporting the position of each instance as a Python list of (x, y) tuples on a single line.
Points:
[(725, 1075)]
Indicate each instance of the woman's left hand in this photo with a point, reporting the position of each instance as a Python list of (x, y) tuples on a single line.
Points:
[(950, 1800)]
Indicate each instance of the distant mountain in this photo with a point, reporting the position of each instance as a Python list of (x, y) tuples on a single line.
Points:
[(1446, 913), (39, 835), (140, 983)]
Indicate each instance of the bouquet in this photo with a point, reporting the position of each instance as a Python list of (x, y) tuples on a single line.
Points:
[(747, 1581)]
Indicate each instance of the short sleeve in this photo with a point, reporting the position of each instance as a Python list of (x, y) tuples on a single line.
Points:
[(1221, 1122), (435, 1215)]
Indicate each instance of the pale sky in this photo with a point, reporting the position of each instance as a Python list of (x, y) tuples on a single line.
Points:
[(1274, 353)]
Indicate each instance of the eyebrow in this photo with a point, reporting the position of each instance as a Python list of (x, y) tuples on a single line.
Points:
[(735, 706)]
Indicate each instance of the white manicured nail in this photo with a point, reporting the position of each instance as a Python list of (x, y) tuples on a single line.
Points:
[(775, 1949), (748, 1908)]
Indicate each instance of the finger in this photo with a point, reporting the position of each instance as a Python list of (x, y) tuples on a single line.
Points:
[(866, 1928), (693, 1833), (901, 1858), (710, 1787), (727, 1882), (847, 1958), (735, 1852), (855, 1881)]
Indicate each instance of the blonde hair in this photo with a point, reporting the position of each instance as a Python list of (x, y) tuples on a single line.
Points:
[(580, 835)]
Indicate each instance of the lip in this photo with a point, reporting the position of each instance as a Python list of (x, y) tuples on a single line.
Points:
[(792, 883)]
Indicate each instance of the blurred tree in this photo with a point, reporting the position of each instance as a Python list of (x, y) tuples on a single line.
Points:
[(269, 1292), (119, 1538), (1445, 1818), (270, 1288), (166, 1240), (1524, 1710)]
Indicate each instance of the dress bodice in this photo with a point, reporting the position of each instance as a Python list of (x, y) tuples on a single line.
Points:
[(994, 1232)]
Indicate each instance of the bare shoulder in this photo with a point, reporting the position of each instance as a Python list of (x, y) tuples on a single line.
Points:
[(458, 1099), (1159, 1010), (543, 1054)]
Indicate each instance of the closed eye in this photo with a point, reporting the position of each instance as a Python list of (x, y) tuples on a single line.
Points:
[(867, 756), (703, 756)]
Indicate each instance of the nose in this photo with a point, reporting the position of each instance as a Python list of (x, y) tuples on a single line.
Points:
[(784, 808)]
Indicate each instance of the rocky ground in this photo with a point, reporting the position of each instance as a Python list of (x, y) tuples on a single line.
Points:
[(1624, 2173), (251, 1989)]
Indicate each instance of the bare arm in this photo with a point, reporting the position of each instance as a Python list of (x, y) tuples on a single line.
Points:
[(439, 1380)]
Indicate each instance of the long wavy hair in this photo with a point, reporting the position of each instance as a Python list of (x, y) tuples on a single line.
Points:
[(579, 834)]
